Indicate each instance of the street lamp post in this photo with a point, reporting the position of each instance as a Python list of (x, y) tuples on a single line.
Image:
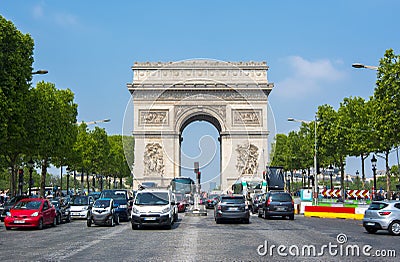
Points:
[(358, 179), (30, 165), (315, 196), (94, 122), (68, 174), (330, 171), (373, 162)]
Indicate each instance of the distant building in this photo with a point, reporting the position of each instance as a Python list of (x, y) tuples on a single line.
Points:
[(212, 185)]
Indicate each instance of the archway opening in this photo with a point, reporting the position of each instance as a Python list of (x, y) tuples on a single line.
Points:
[(200, 142)]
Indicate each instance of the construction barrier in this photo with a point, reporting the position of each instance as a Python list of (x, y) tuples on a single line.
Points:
[(351, 194), (334, 212)]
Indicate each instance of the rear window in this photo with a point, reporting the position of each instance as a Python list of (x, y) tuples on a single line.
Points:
[(233, 200), (377, 206), (281, 197)]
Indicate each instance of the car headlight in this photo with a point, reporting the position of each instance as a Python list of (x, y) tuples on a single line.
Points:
[(123, 206), (35, 214), (165, 210), (135, 210), (8, 214), (84, 208)]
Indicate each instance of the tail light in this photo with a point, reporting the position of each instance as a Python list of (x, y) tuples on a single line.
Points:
[(269, 201), (385, 213), (219, 208), (292, 202)]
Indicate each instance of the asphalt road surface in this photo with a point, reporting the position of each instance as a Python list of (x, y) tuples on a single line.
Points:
[(201, 239)]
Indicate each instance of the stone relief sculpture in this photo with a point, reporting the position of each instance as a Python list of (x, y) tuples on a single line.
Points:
[(247, 160), (153, 117), (153, 160), (246, 117)]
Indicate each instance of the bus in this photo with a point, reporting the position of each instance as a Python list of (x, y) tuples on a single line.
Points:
[(249, 187), (184, 185)]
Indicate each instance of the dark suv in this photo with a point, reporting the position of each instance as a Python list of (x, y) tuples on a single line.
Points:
[(231, 207), (9, 204), (277, 203)]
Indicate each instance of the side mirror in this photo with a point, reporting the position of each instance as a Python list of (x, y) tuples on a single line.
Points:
[(115, 205), (173, 203)]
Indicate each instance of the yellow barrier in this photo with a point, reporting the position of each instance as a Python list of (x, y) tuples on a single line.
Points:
[(334, 215)]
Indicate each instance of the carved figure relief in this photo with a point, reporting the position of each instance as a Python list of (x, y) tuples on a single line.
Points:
[(246, 117), (153, 160), (153, 117), (247, 160)]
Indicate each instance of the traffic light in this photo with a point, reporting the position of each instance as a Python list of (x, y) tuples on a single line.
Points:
[(198, 176)]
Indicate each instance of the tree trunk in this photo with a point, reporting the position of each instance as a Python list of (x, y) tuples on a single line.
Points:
[(342, 179), (363, 170), (120, 182), (387, 175), (43, 177)]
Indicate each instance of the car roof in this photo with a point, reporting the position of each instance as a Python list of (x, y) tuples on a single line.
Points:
[(154, 190)]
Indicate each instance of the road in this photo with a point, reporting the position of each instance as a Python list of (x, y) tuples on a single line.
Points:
[(198, 239)]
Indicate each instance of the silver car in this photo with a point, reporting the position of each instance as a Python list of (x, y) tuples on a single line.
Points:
[(383, 215)]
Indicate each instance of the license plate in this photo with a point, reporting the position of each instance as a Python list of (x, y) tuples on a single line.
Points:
[(19, 221), (233, 209), (370, 224), (150, 218), (280, 209)]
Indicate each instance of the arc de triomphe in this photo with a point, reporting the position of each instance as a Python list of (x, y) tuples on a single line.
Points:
[(168, 96)]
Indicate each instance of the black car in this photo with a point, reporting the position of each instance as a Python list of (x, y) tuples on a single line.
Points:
[(231, 207), (8, 204), (63, 210), (277, 203), (211, 201)]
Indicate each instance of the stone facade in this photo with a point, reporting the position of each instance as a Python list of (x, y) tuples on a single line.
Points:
[(168, 96)]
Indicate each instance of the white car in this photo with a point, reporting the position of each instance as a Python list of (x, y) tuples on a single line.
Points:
[(154, 207), (81, 206)]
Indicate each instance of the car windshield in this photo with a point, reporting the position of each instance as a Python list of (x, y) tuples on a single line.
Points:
[(281, 197), (213, 196), (232, 200), (152, 198), (55, 203), (377, 206), (80, 201), (34, 205), (179, 197), (102, 203)]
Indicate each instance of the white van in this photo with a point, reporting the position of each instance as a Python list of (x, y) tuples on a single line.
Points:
[(153, 207)]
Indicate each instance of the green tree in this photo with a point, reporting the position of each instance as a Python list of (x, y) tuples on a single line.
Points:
[(16, 59), (386, 107), (52, 124), (117, 158)]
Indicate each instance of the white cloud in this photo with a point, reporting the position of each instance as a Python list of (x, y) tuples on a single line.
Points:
[(59, 18), (37, 11), (307, 77)]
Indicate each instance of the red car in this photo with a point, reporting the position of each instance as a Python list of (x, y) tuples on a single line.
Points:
[(31, 212), (181, 202)]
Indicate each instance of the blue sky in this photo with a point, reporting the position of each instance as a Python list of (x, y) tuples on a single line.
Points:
[(90, 46)]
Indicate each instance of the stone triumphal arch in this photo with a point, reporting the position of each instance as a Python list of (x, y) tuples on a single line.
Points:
[(167, 97)]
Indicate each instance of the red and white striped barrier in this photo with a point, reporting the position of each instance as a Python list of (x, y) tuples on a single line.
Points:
[(352, 194)]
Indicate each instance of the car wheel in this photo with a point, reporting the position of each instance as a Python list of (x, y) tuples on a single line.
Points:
[(89, 222), (8, 228), (394, 228), (54, 221), (265, 216), (259, 214), (217, 221), (117, 219), (371, 230), (112, 222), (68, 219), (246, 221), (58, 221), (134, 227), (291, 217), (40, 226), (176, 217)]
